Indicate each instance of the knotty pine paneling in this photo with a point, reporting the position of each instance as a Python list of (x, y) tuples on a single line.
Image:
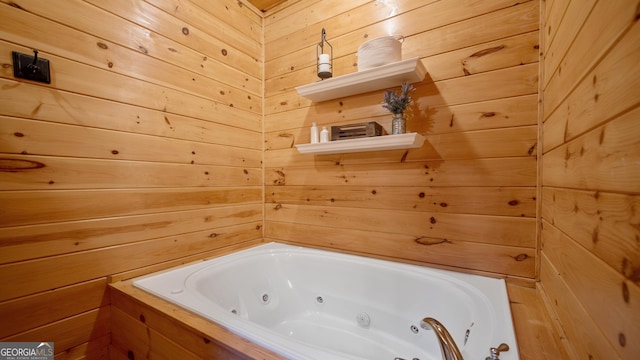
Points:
[(466, 199), (26, 313), (470, 200), (25, 100), (144, 152), (190, 334), (449, 28), (590, 172)]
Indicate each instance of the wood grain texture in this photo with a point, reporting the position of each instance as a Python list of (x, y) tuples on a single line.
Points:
[(535, 338), (614, 311), (481, 139), (144, 152), (467, 256), (165, 119), (71, 331), (178, 330), (590, 254), (506, 201), (40, 309)]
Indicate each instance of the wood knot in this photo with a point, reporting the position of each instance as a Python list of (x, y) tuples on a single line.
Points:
[(431, 241), (142, 319), (15, 165), (487, 51), (625, 292), (522, 257), (185, 31)]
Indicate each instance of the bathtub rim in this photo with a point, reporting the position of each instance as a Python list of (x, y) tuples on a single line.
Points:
[(533, 323), (500, 305)]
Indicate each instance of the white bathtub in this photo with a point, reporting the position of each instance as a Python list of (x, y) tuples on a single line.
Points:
[(312, 304)]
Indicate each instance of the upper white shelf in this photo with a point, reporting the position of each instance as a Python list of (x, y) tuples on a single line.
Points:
[(381, 77), (374, 143)]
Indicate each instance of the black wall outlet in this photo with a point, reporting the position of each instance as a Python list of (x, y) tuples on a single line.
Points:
[(25, 67)]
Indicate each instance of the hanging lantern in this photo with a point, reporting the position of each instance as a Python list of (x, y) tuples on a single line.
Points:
[(324, 59)]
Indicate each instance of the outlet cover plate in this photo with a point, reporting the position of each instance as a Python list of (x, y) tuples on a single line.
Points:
[(22, 68)]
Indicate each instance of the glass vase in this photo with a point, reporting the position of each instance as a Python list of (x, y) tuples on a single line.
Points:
[(398, 124)]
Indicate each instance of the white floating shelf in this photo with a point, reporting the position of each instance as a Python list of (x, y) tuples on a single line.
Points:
[(374, 143), (381, 77)]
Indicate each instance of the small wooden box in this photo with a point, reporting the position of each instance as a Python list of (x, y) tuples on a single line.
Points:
[(354, 131)]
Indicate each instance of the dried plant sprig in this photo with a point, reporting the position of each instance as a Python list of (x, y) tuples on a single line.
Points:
[(398, 103)]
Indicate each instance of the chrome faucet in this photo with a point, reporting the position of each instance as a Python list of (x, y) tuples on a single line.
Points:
[(448, 347)]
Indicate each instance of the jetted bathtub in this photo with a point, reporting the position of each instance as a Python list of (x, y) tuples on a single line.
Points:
[(312, 304)]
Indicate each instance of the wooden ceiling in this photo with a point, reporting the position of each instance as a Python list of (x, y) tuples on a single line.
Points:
[(265, 5)]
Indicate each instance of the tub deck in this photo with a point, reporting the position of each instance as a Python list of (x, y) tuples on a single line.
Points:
[(143, 325)]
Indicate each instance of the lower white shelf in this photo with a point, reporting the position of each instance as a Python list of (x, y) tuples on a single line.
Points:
[(374, 143)]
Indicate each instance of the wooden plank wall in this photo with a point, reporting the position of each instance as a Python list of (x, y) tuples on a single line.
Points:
[(145, 151), (590, 259), (467, 198)]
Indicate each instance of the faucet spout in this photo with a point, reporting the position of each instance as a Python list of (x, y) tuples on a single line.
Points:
[(448, 347)]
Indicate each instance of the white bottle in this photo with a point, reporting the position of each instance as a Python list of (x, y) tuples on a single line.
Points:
[(314, 134), (324, 135)]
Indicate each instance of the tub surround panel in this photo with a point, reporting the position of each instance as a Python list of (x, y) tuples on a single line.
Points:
[(437, 251), (483, 200), (590, 176), (536, 338), (152, 318), (145, 151)]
